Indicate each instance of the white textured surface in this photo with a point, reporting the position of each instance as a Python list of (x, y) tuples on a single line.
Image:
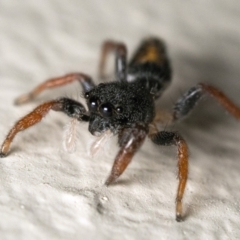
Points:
[(46, 193)]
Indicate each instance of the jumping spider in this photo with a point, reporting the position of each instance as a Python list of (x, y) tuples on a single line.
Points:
[(126, 106)]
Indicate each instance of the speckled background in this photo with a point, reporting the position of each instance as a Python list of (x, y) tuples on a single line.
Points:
[(46, 193)]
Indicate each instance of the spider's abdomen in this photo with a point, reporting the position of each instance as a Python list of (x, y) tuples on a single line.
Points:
[(150, 64)]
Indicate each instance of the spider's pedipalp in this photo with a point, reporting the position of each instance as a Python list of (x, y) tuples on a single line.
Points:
[(70, 136)]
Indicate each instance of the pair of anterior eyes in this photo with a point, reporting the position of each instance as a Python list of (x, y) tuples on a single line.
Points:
[(105, 109)]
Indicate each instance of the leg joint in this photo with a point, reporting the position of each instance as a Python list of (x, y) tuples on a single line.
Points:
[(71, 108)]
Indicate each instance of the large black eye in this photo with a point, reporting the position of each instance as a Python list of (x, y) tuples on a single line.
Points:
[(93, 104), (106, 110)]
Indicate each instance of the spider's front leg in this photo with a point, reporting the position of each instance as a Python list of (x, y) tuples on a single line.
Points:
[(68, 106), (172, 138), (130, 140), (83, 79)]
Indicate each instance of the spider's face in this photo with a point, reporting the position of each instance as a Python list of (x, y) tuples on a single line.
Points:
[(116, 105)]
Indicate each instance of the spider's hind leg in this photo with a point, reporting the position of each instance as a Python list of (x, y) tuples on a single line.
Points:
[(120, 51)]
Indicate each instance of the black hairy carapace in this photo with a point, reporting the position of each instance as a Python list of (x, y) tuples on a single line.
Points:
[(114, 106), (126, 106)]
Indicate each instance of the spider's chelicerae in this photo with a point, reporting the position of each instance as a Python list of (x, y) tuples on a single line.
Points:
[(125, 106)]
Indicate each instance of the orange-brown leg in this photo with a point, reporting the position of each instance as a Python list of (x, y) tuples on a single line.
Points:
[(85, 81), (65, 105), (188, 101), (231, 107), (120, 61), (130, 140), (171, 138)]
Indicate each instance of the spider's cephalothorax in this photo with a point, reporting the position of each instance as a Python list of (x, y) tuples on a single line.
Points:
[(119, 105), (126, 106)]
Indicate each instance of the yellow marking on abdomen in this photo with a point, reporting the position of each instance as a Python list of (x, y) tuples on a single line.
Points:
[(150, 54)]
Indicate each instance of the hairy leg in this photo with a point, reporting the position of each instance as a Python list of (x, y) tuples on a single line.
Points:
[(172, 138), (120, 59), (85, 81), (68, 106), (188, 101), (130, 140)]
